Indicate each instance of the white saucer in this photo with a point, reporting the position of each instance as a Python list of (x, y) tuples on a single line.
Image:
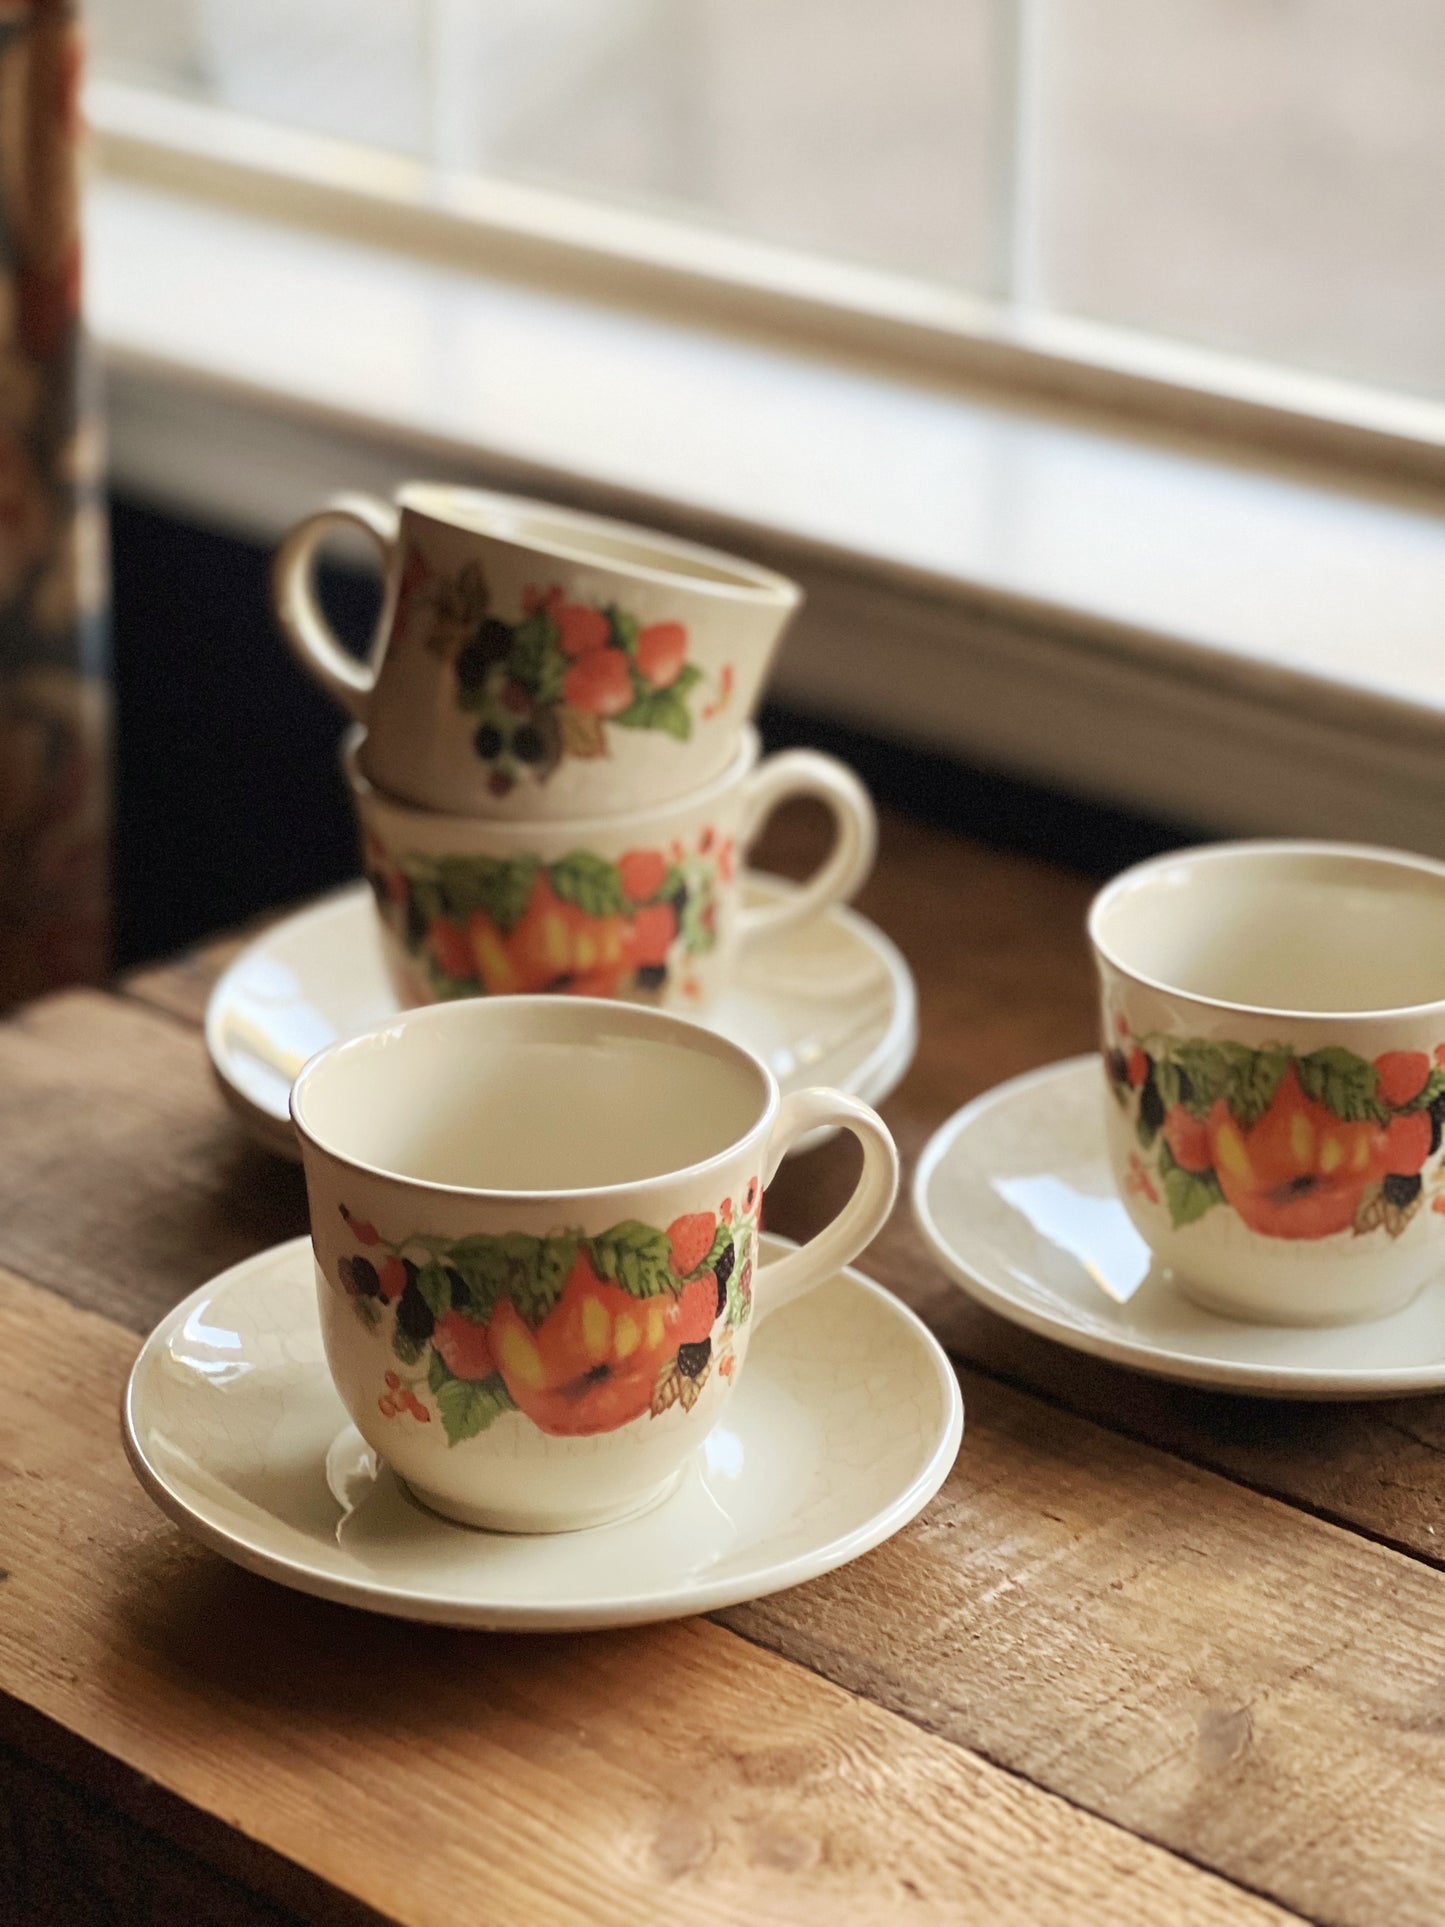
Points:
[(829, 1003), (842, 1428), (1015, 1196)]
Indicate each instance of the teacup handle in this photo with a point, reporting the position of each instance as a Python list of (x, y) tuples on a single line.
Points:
[(806, 772), (861, 1218), (293, 593)]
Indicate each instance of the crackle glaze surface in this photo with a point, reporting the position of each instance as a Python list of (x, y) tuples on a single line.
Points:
[(1017, 1197), (845, 1425)]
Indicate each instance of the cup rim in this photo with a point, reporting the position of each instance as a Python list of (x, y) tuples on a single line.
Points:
[(523, 831), (734, 580), (1140, 875), (659, 1022)]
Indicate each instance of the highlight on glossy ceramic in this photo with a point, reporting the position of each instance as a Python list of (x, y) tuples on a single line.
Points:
[(845, 1425), (1274, 1045), (534, 1223), (646, 906), (1016, 1197), (532, 662), (830, 1001)]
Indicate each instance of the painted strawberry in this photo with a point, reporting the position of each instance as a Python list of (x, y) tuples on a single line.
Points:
[(652, 934), (451, 952), (1187, 1138), (393, 1277), (465, 1348), (599, 683), (642, 874), (1407, 1143), (661, 653), (582, 629), (695, 1312), (1402, 1075), (691, 1240)]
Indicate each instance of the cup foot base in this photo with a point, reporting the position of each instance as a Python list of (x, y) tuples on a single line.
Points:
[(1251, 1311), (529, 1520)]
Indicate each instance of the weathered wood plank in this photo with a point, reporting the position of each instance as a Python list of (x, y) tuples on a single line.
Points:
[(439, 1776)]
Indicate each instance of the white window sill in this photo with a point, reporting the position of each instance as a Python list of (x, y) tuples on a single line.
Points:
[(1246, 645)]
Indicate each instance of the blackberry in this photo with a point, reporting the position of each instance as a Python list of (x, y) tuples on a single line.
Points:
[(691, 1359), (1118, 1067), (414, 1318), (364, 1278), (488, 742), (723, 1272), (678, 900), (473, 662), (527, 744), (651, 976), (1401, 1192), (1437, 1122), (1151, 1104), (415, 922), (461, 1291)]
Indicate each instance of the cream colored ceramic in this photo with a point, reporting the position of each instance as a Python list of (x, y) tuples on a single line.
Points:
[(532, 662), (1274, 1032), (830, 1001), (535, 1224), (1016, 1196), (646, 906), (844, 1427)]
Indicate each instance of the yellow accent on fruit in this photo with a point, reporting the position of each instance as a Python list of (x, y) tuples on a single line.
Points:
[(1230, 1152), (1362, 1152), (626, 1337), (584, 951), (520, 1358), (494, 966), (596, 1328), (1301, 1139), (1332, 1155), (656, 1327), (555, 947)]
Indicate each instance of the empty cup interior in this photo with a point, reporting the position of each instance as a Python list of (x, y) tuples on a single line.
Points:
[(1303, 929), (547, 1095)]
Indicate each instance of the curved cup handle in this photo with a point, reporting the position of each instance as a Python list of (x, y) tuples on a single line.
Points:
[(806, 772), (861, 1218), (293, 596)]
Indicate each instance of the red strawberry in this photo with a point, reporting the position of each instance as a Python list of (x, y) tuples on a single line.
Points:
[(599, 683), (1188, 1139), (1138, 1068), (1402, 1075), (643, 873), (661, 653), (450, 950), (393, 1279), (653, 930), (464, 1346), (1407, 1143), (583, 630), (695, 1313), (691, 1240)]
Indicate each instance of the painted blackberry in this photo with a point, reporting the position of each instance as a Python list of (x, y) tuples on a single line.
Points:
[(529, 745), (1401, 1191), (724, 1271), (488, 742), (364, 1278), (1437, 1122), (461, 1291), (414, 1318), (1151, 1104), (651, 976), (1118, 1066), (692, 1359)]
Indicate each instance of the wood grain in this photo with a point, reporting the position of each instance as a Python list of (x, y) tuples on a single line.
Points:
[(439, 1776)]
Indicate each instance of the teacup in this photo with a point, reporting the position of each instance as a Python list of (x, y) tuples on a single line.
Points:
[(646, 906), (534, 662), (1274, 1036), (536, 1236)]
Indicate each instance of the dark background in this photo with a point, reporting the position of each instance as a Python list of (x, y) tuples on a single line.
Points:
[(229, 797)]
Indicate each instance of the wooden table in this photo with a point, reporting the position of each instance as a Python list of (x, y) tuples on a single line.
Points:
[(1151, 1655)]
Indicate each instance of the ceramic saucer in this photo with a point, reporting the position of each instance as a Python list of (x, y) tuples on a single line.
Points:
[(831, 1002), (1016, 1198), (843, 1427)]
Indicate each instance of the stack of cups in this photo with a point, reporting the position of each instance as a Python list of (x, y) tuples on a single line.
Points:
[(555, 770)]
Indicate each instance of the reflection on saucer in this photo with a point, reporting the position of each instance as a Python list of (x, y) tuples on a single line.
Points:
[(1096, 1231)]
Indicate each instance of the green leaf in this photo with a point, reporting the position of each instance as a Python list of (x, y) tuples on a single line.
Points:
[(698, 933), (687, 678), (1254, 1079), (1189, 1194), (536, 660), (499, 887), (662, 709), (590, 882), (1434, 1088), (1169, 1082), (1206, 1067), (625, 628), (467, 1406), (368, 1311), (436, 1288), (634, 1256), (721, 1239), (406, 1349), (1343, 1083), (528, 1271)]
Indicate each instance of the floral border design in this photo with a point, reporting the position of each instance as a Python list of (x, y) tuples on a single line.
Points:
[(579, 1333), (1299, 1146), (587, 925), (544, 687)]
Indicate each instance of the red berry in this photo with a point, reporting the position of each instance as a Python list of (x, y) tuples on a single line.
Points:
[(1407, 1143), (582, 630), (1188, 1140), (392, 1381), (464, 1346), (691, 1240), (450, 950), (393, 1279), (661, 653), (695, 1313), (1402, 1075), (642, 874), (1137, 1070), (599, 683), (386, 1405), (366, 1234), (652, 932)]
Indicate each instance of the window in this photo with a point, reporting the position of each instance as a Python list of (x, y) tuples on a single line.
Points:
[(1256, 176)]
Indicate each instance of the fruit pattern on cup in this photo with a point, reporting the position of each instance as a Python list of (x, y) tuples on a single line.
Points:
[(579, 1334), (547, 685), (1298, 1146), (584, 925)]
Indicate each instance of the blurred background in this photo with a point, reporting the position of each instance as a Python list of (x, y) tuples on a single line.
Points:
[(1141, 309)]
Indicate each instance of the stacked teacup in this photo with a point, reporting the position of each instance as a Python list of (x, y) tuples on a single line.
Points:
[(555, 770)]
